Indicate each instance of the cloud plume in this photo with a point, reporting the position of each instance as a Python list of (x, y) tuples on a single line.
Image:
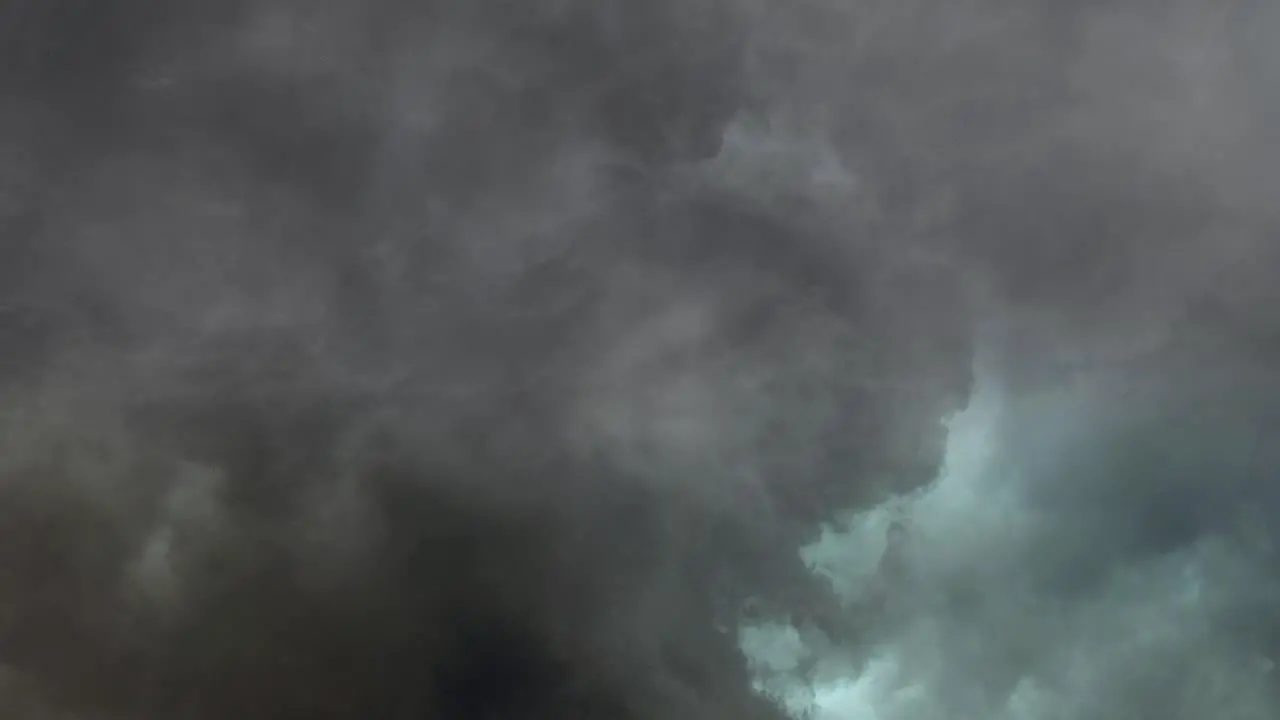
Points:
[(489, 359)]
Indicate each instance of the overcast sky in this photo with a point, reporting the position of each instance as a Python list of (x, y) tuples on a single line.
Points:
[(569, 359)]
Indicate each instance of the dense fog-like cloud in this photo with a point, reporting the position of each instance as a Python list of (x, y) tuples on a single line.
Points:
[(493, 359), (1092, 550), (1094, 543)]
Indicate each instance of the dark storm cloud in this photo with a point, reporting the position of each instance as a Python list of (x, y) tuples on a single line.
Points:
[(442, 359), (1093, 544)]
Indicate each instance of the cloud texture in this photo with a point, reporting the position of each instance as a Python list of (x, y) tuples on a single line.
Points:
[(491, 359)]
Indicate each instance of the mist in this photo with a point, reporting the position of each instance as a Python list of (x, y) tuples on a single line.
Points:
[(442, 359)]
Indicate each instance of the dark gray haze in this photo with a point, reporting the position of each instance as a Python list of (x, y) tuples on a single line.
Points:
[(575, 359)]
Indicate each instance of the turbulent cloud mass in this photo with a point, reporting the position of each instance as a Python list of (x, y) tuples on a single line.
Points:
[(614, 359), (1070, 561)]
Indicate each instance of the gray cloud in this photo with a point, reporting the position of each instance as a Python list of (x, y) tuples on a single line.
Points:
[(441, 359)]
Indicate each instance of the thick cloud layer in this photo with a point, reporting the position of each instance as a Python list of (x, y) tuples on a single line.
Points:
[(1094, 550), (486, 359)]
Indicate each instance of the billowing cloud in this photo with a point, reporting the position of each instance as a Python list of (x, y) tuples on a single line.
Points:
[(483, 359)]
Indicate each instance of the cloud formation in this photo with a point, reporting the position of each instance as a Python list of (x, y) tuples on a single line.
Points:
[(485, 359)]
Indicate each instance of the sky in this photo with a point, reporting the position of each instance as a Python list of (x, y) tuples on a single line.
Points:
[(444, 359)]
